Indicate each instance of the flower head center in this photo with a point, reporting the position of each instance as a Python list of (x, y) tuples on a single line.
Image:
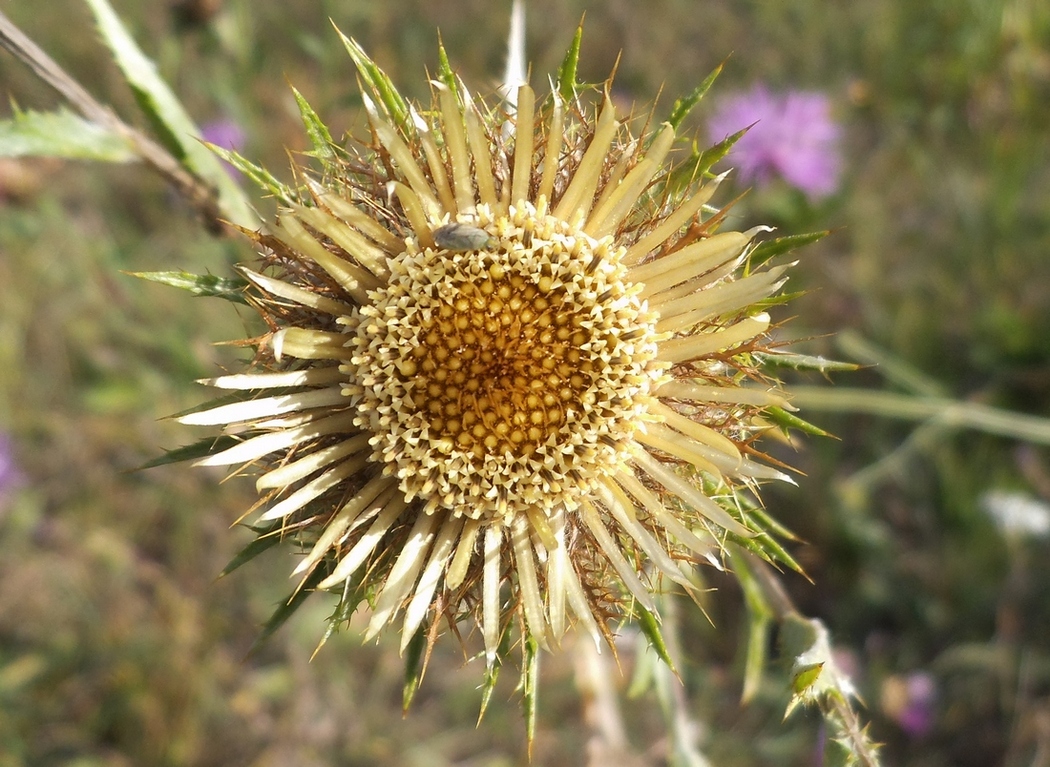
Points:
[(500, 365), (507, 378)]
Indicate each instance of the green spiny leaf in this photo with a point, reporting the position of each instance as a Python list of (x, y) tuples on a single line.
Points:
[(778, 300), (287, 608), (445, 74), (775, 552), (268, 537), (231, 289), (225, 399), (683, 106), (353, 594), (699, 162), (651, 628), (377, 81), (61, 134), (171, 121), (766, 522), (530, 682), (488, 684), (173, 125), (762, 544), (567, 70), (257, 175), (814, 673), (413, 667), (788, 421), (771, 248), (805, 677), (207, 446), (315, 129), (707, 158), (806, 362), (816, 679)]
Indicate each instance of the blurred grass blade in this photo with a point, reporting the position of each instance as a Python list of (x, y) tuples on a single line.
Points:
[(62, 134), (895, 370), (946, 412), (567, 70), (173, 125), (231, 289), (316, 130), (683, 106), (772, 248), (207, 446), (644, 676)]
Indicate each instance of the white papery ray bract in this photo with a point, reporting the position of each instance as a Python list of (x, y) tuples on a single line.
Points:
[(503, 348)]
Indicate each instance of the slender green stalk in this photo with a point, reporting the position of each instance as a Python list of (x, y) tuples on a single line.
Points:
[(946, 412)]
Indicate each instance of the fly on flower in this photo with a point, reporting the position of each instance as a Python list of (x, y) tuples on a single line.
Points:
[(462, 237), (511, 376)]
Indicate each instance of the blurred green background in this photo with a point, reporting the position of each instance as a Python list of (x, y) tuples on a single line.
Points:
[(118, 645)]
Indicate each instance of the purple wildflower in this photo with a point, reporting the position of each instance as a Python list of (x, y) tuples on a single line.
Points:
[(10, 476), (910, 700), (227, 134), (792, 136)]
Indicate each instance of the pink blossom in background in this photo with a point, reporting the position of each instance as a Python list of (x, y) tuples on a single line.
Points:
[(919, 715), (227, 134), (911, 701), (793, 137), (10, 476)]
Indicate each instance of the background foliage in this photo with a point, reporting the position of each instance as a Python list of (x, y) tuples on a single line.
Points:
[(118, 646)]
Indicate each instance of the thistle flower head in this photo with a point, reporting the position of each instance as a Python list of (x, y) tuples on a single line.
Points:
[(510, 362)]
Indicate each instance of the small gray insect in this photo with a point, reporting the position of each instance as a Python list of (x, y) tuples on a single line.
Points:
[(463, 237)]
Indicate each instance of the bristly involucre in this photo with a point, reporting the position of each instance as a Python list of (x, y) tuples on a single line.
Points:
[(507, 351)]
